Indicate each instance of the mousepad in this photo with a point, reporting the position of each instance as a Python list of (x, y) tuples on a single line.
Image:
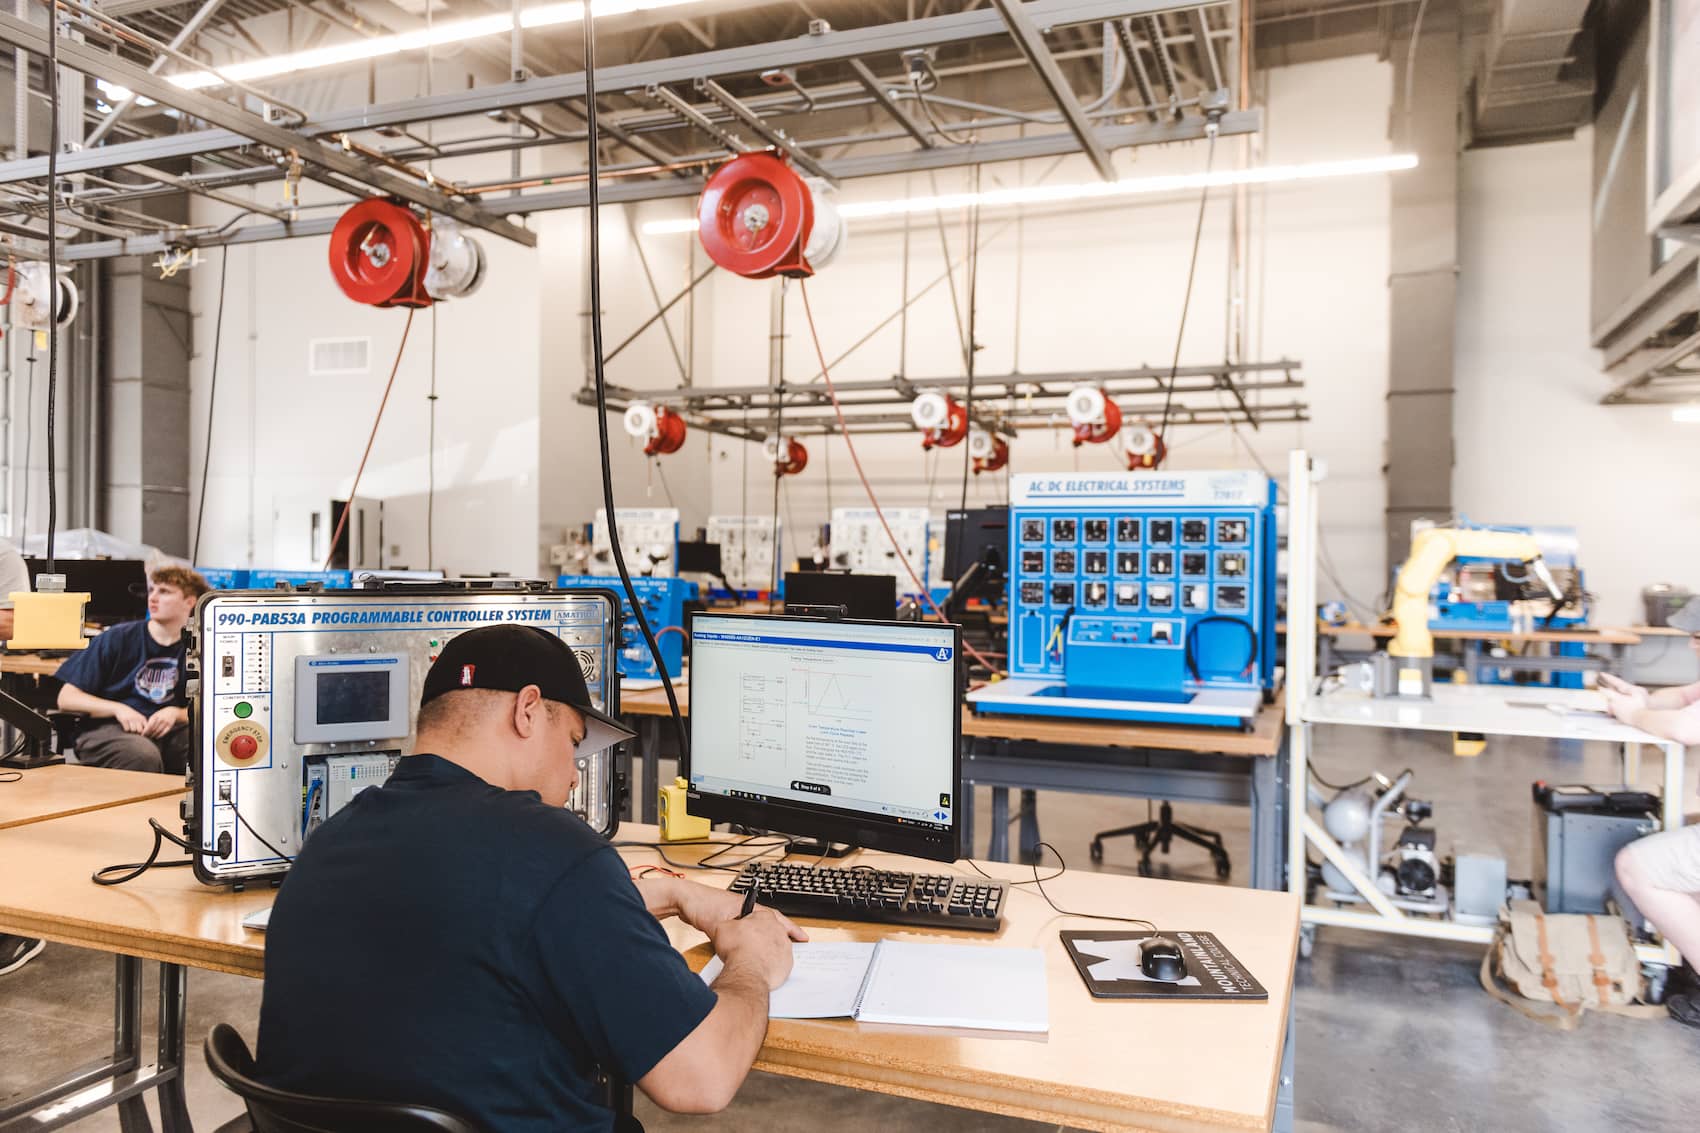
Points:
[(1109, 963)]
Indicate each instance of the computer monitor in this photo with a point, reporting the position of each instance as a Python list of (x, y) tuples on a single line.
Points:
[(117, 588), (700, 557), (869, 597), (839, 730), (977, 537)]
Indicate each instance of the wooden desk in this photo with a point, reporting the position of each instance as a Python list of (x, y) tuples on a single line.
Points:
[(29, 664), (1106, 1064), (67, 789), (165, 914), (1215, 1066)]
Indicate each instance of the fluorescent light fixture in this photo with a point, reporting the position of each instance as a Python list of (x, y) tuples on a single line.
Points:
[(445, 32), (114, 94), (1682, 414), (1100, 190)]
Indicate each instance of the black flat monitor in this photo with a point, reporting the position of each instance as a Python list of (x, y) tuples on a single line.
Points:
[(978, 537), (117, 588), (700, 557), (845, 731), (868, 597)]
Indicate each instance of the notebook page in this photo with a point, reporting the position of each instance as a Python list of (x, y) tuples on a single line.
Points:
[(957, 985), (825, 980)]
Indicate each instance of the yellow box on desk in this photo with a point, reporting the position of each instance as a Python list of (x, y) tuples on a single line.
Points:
[(676, 824), (47, 620)]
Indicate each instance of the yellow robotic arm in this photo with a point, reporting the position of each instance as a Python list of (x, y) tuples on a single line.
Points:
[(1431, 551)]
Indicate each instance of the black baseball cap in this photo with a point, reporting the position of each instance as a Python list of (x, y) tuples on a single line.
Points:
[(506, 658)]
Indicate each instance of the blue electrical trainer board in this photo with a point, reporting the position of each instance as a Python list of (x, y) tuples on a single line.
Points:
[(663, 605), (1139, 596)]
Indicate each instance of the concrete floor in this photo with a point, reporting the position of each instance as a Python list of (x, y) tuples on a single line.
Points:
[(1393, 1034)]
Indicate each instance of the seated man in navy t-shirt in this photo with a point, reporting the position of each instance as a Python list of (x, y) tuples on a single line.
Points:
[(131, 679), (458, 939)]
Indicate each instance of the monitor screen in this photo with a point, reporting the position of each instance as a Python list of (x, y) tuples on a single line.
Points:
[(846, 731), (353, 698)]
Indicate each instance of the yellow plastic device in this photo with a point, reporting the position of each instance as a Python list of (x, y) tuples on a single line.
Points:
[(676, 824), (47, 620)]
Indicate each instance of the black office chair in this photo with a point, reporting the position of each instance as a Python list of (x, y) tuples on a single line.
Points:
[(280, 1111), (1156, 835)]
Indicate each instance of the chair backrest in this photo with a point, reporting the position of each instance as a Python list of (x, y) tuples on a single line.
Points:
[(282, 1111)]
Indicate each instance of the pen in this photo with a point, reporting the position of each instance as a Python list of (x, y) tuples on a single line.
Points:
[(749, 904)]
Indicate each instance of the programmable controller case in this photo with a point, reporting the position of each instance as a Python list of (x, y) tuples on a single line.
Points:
[(299, 700), (1139, 596)]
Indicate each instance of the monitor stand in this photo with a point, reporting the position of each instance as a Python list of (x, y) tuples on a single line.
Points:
[(816, 848)]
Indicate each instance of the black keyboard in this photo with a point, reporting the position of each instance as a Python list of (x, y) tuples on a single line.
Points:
[(879, 896)]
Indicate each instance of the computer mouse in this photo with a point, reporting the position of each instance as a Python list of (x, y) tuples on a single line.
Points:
[(1160, 958)]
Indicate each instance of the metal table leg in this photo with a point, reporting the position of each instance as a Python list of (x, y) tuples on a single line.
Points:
[(127, 1040), (1284, 1089), (1028, 840), (997, 849), (1269, 817), (173, 1023), (649, 736)]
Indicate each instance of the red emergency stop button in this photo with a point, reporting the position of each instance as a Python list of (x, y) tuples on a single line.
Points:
[(244, 747)]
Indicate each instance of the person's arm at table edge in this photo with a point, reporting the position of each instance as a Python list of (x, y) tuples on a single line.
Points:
[(705, 1071)]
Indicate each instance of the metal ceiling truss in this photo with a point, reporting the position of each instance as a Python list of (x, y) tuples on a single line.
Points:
[(664, 111), (1002, 404)]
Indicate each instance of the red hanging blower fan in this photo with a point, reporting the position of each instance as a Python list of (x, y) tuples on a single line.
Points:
[(759, 218), (1095, 418), (380, 252), (1143, 447), (661, 429), (787, 455), (942, 420), (990, 453)]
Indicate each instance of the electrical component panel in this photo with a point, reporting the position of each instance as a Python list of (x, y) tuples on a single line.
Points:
[(749, 544), (299, 700), (860, 544), (1143, 596), (334, 780), (663, 602), (649, 539)]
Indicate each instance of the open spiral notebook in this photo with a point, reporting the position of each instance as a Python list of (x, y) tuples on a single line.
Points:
[(925, 985)]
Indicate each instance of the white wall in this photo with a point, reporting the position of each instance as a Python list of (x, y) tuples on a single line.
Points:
[(1534, 444)]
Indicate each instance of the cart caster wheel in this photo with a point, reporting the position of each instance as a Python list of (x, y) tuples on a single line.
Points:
[(1307, 940), (1097, 851), (1144, 868), (1223, 869)]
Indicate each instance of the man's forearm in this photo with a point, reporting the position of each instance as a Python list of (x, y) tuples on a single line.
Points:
[(660, 894), (702, 1074), (743, 993), (74, 699), (1667, 699), (1679, 725)]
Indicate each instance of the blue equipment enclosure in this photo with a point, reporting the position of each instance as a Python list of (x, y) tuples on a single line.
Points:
[(1139, 596), (1488, 594), (220, 578), (663, 605)]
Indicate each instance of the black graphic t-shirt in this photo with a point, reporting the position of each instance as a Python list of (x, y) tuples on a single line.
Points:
[(127, 665)]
